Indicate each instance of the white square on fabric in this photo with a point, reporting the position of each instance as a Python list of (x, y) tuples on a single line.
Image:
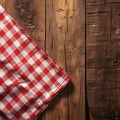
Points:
[(9, 34), (8, 18), (26, 116), (38, 70), (8, 82), (23, 68), (1, 9), (8, 98), (24, 99), (46, 79), (16, 43), (1, 90), (45, 63), (16, 107), (2, 106), (31, 61), (2, 25), (2, 73), (60, 80), (24, 53), (15, 28), (52, 71), (9, 50), (31, 77), (17, 60), (31, 46), (38, 86), (23, 37)]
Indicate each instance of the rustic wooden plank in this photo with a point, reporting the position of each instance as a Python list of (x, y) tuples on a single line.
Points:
[(65, 43), (103, 57), (75, 58), (55, 39)]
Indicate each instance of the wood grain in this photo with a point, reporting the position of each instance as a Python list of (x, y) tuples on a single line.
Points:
[(55, 39), (75, 58), (103, 58)]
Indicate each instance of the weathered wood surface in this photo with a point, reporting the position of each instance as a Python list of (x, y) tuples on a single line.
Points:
[(103, 58), (58, 26)]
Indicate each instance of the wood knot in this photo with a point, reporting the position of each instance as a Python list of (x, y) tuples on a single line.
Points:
[(25, 13), (115, 116), (117, 30)]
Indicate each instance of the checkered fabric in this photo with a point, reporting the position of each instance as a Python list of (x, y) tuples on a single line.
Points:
[(29, 78)]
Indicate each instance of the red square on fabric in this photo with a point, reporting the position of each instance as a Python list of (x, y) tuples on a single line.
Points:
[(2, 33), (9, 26)]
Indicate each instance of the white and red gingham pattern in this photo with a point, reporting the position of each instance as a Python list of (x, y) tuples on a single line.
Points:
[(29, 78)]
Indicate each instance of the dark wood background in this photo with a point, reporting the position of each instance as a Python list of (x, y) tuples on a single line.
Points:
[(83, 37)]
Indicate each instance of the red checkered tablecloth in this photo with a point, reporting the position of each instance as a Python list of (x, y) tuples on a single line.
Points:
[(29, 78)]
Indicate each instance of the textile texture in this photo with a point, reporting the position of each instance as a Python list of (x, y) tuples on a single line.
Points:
[(29, 78)]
